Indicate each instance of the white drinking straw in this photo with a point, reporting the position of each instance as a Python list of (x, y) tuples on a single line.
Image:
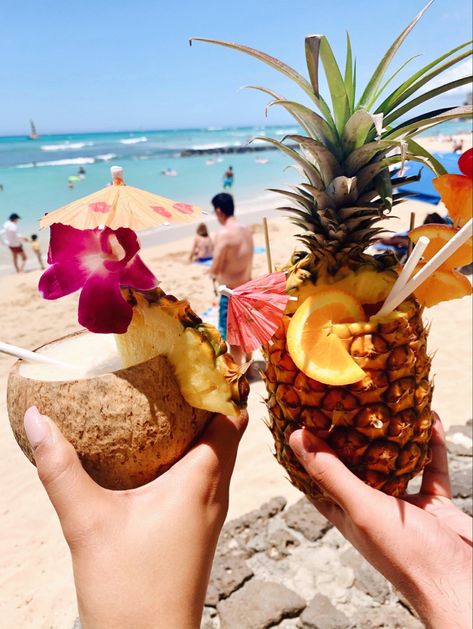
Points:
[(406, 273), (432, 265), (34, 357)]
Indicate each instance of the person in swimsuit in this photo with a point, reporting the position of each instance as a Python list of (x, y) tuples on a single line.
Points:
[(12, 239), (202, 247), (228, 178), (232, 258)]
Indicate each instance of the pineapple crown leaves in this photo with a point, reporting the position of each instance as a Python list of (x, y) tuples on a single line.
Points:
[(349, 150)]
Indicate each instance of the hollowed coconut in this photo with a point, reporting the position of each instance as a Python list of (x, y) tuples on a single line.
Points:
[(127, 426)]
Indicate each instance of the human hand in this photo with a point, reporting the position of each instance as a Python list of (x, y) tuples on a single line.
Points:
[(141, 557), (422, 543)]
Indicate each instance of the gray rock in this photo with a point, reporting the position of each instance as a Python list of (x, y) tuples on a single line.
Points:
[(385, 617), (280, 544), (228, 574), (459, 440), (465, 504), (209, 619), (305, 518), (367, 578), (462, 482), (240, 537), (76, 624), (321, 614), (259, 605)]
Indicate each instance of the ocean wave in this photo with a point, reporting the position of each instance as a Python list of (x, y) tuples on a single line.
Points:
[(60, 162), (106, 157), (212, 145), (66, 146), (143, 138)]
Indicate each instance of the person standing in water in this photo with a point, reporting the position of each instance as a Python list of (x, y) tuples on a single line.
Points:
[(13, 240), (228, 177), (232, 259)]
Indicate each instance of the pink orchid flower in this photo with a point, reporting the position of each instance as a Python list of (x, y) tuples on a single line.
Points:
[(99, 261)]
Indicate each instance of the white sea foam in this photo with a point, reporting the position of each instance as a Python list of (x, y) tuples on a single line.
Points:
[(143, 138), (66, 146), (60, 162), (205, 147), (106, 157)]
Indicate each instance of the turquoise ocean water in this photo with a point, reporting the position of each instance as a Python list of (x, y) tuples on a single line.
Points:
[(34, 173)]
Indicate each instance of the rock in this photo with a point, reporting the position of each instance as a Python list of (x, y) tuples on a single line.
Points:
[(228, 574), (385, 617), (459, 440), (76, 624), (465, 504), (321, 614), (240, 537), (259, 605), (209, 619), (305, 518), (280, 544), (367, 578), (462, 483)]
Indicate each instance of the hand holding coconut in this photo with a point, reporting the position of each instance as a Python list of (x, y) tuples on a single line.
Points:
[(141, 557)]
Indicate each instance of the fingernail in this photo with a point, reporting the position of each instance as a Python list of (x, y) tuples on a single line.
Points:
[(36, 427), (309, 441)]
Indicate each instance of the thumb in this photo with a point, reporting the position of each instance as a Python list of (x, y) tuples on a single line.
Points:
[(331, 475), (67, 484)]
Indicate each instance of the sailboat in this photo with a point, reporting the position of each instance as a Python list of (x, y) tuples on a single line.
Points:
[(33, 133)]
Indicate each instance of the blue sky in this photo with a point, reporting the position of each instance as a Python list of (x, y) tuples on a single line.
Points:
[(117, 65)]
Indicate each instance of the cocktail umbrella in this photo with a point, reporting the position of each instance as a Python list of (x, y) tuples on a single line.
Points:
[(120, 205), (255, 310)]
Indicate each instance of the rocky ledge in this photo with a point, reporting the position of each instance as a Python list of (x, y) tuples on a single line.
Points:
[(283, 567)]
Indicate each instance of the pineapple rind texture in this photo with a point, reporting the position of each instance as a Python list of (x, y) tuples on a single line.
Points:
[(162, 325), (379, 427)]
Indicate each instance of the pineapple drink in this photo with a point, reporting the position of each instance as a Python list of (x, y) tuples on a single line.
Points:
[(358, 381)]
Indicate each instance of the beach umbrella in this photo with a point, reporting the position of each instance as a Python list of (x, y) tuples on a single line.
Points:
[(255, 310), (120, 205)]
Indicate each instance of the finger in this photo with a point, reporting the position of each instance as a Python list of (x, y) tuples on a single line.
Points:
[(67, 484), (436, 479), (331, 475)]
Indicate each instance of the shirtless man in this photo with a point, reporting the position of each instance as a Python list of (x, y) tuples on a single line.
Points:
[(232, 258)]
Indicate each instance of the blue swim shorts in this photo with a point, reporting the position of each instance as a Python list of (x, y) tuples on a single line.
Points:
[(222, 316)]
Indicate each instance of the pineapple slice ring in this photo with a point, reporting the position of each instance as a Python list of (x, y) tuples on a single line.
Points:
[(439, 235), (312, 338)]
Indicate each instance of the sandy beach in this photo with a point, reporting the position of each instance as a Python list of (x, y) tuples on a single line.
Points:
[(35, 576)]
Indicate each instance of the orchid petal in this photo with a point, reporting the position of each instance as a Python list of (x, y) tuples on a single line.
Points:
[(61, 279), (127, 239), (102, 308), (137, 275), (67, 242)]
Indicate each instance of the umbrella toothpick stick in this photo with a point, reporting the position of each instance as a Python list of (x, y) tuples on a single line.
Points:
[(34, 357), (268, 248), (464, 234)]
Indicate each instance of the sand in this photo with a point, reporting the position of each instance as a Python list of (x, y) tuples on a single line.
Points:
[(36, 587)]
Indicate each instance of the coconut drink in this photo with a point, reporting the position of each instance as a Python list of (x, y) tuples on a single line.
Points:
[(349, 360), (139, 385)]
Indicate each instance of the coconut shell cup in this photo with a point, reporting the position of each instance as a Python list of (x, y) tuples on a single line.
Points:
[(128, 426)]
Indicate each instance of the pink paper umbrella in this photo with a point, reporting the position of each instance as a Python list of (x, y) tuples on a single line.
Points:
[(255, 310)]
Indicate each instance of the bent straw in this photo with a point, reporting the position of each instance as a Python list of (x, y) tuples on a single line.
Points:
[(34, 357), (406, 273), (432, 265)]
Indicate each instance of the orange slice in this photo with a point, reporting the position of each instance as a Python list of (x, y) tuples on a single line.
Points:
[(442, 286), (456, 191), (439, 235), (315, 347)]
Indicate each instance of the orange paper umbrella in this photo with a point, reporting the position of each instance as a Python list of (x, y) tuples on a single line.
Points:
[(255, 310), (119, 205)]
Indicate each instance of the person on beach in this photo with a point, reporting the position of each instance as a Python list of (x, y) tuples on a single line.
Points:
[(142, 557), (202, 247), (13, 240), (457, 146), (35, 246), (232, 259), (228, 177)]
